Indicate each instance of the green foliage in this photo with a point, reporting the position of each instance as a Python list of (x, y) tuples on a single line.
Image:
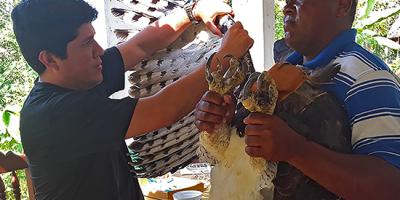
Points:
[(373, 21), (15, 80), (9, 134), (396, 65), (16, 77), (22, 182), (279, 32), (9, 141), (369, 8)]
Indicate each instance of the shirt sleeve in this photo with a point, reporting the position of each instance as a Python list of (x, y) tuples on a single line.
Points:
[(373, 106)]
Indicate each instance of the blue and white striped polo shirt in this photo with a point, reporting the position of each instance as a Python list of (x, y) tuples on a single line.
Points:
[(369, 92)]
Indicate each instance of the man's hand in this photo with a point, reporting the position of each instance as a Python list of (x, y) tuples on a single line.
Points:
[(271, 138), (214, 109), (236, 42), (209, 10)]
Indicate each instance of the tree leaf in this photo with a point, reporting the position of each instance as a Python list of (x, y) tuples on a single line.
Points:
[(387, 42), (7, 117), (369, 8), (369, 32), (376, 17)]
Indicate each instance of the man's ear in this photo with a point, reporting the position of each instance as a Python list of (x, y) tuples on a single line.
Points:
[(49, 60), (344, 8)]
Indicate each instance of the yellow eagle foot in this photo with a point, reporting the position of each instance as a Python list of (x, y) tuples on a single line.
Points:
[(227, 82), (262, 99)]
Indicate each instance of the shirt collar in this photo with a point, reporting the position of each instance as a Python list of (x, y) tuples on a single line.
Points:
[(328, 54)]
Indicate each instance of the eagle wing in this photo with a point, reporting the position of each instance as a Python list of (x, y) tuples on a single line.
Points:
[(171, 148)]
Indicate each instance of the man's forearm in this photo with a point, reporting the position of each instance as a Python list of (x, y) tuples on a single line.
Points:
[(349, 176)]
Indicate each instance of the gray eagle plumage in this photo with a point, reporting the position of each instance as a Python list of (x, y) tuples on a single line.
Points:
[(171, 148)]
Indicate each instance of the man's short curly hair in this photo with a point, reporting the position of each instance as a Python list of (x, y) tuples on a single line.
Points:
[(48, 25)]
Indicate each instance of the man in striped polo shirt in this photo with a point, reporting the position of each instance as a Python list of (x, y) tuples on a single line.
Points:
[(320, 33)]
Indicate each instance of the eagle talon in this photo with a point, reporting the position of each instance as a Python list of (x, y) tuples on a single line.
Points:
[(210, 75), (225, 83), (246, 92), (264, 98)]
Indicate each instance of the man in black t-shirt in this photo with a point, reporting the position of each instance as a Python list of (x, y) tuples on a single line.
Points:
[(72, 133)]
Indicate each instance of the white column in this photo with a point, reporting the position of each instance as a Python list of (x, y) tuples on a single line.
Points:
[(257, 16), (100, 23)]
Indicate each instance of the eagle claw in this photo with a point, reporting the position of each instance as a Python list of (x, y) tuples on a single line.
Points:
[(264, 98), (227, 82)]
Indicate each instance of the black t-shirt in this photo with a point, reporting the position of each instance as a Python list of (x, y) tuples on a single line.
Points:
[(74, 140)]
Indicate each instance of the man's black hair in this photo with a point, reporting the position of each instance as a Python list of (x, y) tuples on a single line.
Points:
[(48, 25)]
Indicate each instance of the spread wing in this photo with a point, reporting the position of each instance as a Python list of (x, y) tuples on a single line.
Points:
[(170, 148)]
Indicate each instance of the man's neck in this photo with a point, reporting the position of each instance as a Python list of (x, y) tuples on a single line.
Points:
[(323, 43), (54, 80)]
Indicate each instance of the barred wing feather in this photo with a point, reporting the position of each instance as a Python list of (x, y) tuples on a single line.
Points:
[(170, 148)]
